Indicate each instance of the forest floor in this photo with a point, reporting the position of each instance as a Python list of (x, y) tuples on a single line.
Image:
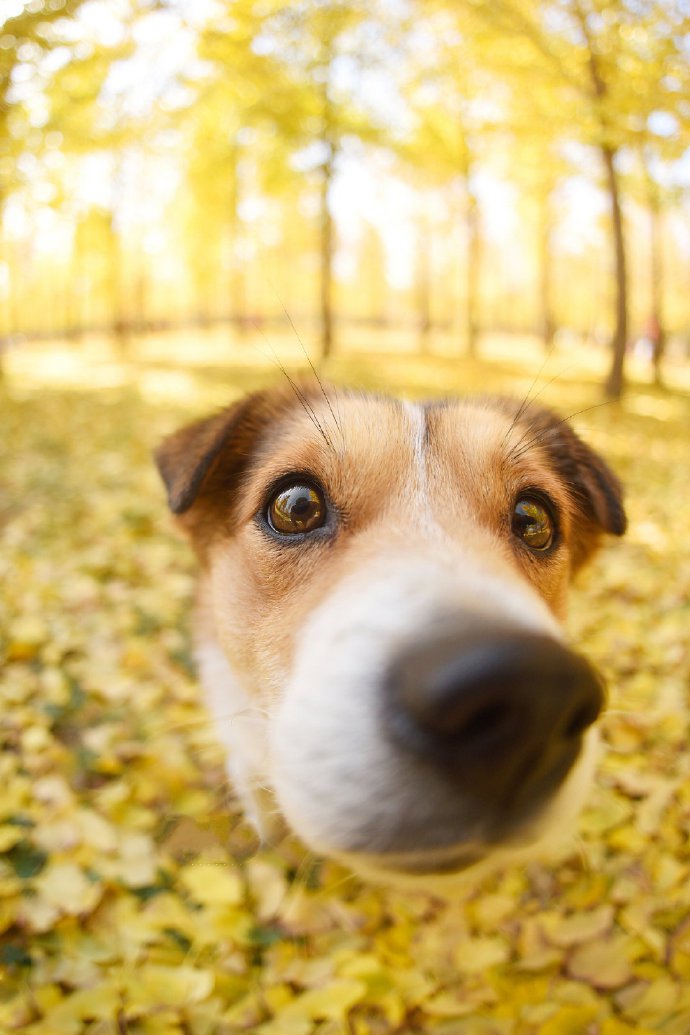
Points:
[(132, 897)]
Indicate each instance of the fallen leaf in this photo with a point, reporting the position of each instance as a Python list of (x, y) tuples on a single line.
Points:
[(604, 964)]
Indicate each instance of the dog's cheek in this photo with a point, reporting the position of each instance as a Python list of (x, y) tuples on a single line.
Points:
[(327, 756), (235, 607), (260, 600), (550, 577)]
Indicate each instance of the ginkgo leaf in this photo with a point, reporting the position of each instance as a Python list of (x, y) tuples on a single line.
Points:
[(474, 955), (124, 867), (605, 964), (332, 1002), (211, 884), (66, 887), (569, 1020), (151, 986), (581, 927)]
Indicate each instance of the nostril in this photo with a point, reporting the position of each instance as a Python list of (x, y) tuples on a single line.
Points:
[(584, 717), (499, 715), (486, 721)]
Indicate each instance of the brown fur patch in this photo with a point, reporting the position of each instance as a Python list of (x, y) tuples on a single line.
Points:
[(365, 452)]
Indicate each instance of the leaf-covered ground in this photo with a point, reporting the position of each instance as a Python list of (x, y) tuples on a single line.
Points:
[(133, 899)]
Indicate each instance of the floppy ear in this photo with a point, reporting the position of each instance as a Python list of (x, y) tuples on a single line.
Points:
[(185, 459), (595, 489), (599, 489)]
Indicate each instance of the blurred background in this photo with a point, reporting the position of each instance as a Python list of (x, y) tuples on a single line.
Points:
[(389, 175), (423, 197)]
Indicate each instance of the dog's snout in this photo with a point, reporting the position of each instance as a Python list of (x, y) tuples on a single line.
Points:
[(501, 713)]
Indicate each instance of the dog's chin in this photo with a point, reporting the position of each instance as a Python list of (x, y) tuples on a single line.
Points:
[(455, 865), (454, 868), (547, 836), (417, 868)]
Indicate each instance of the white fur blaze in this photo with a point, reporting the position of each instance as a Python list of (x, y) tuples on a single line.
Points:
[(340, 782)]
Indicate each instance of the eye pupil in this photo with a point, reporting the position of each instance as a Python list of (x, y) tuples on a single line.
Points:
[(296, 508), (302, 506), (533, 524)]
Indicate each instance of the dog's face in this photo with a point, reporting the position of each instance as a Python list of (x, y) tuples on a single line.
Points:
[(385, 580)]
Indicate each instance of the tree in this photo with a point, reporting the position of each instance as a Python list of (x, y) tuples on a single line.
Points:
[(534, 154), (608, 56), (602, 49), (655, 185), (59, 101), (322, 48), (448, 101), (234, 135), (372, 261), (26, 39)]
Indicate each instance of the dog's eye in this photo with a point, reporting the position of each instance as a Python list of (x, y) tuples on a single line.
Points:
[(296, 508), (533, 524)]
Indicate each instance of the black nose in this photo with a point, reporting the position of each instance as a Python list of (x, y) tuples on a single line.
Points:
[(501, 713)]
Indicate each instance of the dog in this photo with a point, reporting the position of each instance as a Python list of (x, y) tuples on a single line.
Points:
[(379, 619)]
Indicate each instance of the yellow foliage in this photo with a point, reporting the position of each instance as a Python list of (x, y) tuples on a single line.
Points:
[(570, 1020), (212, 885), (132, 897)]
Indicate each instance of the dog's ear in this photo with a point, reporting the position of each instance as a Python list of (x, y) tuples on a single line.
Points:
[(186, 458), (596, 491)]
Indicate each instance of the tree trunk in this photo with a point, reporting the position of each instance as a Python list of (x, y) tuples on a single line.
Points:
[(658, 330), (237, 287), (615, 381), (6, 330), (545, 278), (119, 325), (116, 259), (472, 272), (11, 258), (327, 243), (82, 282), (141, 285), (423, 284)]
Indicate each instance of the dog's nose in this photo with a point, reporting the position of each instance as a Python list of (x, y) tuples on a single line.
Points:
[(501, 713)]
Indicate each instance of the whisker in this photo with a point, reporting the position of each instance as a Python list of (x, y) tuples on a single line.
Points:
[(525, 401), (518, 452), (325, 891), (338, 420), (300, 395), (583, 853), (340, 416), (309, 361), (551, 381), (299, 880), (291, 322), (293, 384), (306, 354), (627, 712), (212, 720)]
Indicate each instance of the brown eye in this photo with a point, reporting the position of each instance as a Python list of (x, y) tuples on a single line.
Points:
[(296, 508), (533, 524)]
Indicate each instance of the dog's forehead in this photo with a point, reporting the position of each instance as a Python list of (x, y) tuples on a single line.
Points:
[(341, 422), (377, 430), (375, 454), (382, 442)]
